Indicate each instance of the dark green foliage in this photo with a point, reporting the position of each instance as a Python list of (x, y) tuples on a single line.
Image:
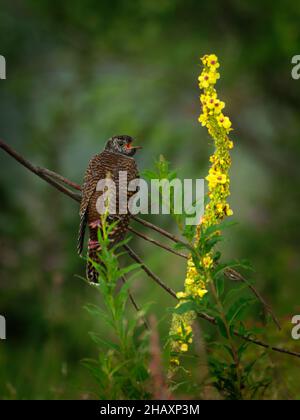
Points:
[(121, 368)]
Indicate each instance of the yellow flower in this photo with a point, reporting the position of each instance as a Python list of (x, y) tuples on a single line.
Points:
[(207, 261), (218, 106), (188, 329), (189, 281), (220, 208), (203, 80), (203, 119), (228, 210), (213, 77), (224, 122), (210, 103), (181, 295), (204, 59), (201, 292), (212, 61), (215, 177), (208, 78), (184, 347), (175, 361)]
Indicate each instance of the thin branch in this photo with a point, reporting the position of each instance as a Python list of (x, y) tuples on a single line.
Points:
[(59, 177), (40, 172), (155, 242), (147, 270), (76, 197), (61, 188), (133, 301), (252, 340), (160, 230), (235, 276)]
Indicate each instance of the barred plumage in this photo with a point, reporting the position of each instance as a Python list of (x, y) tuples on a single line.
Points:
[(101, 166)]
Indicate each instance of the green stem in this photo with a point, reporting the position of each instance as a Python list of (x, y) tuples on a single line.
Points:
[(229, 337)]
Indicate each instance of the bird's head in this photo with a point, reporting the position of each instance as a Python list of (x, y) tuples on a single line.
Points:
[(121, 144)]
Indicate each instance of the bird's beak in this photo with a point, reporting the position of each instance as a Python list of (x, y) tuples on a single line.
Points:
[(130, 147)]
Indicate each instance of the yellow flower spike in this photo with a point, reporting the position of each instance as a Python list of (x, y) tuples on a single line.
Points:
[(218, 126)]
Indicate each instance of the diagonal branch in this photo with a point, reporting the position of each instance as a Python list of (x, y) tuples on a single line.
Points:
[(42, 173), (134, 303), (147, 270), (58, 177), (235, 276), (160, 230), (77, 197), (153, 241)]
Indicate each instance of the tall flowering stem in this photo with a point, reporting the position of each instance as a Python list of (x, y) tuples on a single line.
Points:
[(199, 272)]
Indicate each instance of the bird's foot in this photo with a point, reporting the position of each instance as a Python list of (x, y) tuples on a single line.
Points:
[(95, 224)]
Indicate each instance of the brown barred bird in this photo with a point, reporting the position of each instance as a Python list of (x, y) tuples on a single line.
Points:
[(117, 156)]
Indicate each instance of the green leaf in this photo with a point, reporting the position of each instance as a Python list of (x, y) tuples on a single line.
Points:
[(220, 284), (185, 307), (237, 308), (128, 269), (97, 339), (222, 327), (237, 290)]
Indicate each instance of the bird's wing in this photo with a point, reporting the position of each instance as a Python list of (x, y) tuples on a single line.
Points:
[(93, 173)]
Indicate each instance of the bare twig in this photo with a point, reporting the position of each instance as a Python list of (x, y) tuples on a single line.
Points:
[(58, 177), (252, 340), (235, 276), (155, 242), (40, 172), (134, 304), (77, 197), (161, 231), (147, 270)]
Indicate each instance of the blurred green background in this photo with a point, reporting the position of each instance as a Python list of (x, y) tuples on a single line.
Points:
[(79, 72)]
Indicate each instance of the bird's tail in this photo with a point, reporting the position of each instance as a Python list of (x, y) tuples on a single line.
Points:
[(80, 240), (92, 273)]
